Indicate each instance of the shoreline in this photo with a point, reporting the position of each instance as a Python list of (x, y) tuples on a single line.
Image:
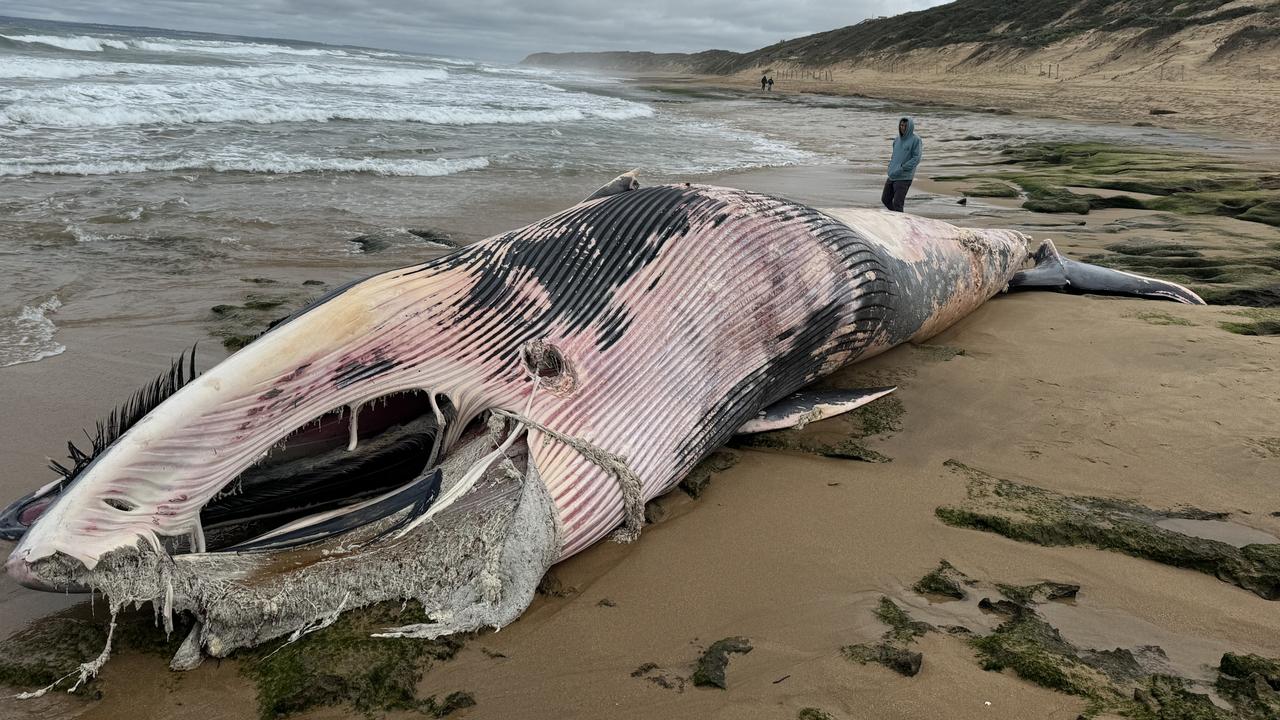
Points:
[(1252, 108)]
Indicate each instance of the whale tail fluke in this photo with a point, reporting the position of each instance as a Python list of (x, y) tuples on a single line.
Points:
[(1052, 271)]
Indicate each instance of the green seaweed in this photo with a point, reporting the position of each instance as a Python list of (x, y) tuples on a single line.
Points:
[(700, 476), (343, 665), (1258, 295), (1153, 248), (42, 653), (1036, 652), (945, 580), (901, 627), (795, 440), (1251, 683), (1165, 697), (263, 302), (939, 353), (882, 416), (1261, 322), (892, 650), (1031, 514), (1244, 666), (1111, 680), (712, 664), (877, 418), (991, 190), (898, 659), (1182, 182), (239, 325), (1159, 318)]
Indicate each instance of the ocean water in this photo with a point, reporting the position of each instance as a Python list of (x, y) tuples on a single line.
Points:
[(144, 172)]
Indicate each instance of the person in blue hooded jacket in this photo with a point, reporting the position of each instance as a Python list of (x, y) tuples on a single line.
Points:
[(907, 151)]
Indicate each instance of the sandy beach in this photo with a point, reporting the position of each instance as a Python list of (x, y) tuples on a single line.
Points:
[(1147, 402)]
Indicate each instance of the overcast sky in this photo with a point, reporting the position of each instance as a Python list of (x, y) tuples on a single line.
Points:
[(503, 30)]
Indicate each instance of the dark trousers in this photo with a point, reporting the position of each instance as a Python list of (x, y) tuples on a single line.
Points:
[(895, 194)]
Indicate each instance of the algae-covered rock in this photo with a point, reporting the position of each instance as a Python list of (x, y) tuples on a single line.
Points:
[(239, 325), (453, 701), (884, 415), (1252, 683), (1036, 652), (945, 580), (1031, 514), (1244, 666), (711, 666), (1262, 295), (1257, 322), (898, 659), (839, 437), (343, 665), (1153, 248), (991, 189), (892, 650), (382, 239), (49, 649), (698, 478), (1028, 594), (902, 628), (1165, 697), (812, 713), (1183, 182), (799, 441)]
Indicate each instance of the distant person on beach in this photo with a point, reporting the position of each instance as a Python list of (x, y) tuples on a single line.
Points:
[(907, 151), (764, 80), (770, 84)]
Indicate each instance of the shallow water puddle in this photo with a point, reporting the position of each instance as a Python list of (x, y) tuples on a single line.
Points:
[(1219, 530)]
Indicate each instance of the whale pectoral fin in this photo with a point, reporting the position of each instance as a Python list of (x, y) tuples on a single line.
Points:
[(1054, 272), (623, 183), (802, 408)]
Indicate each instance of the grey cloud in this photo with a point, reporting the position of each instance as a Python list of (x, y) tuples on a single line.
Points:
[(504, 30)]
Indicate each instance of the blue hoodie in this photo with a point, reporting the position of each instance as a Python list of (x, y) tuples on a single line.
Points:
[(907, 150)]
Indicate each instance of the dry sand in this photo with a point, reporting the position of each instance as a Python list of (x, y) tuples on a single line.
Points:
[(1081, 395)]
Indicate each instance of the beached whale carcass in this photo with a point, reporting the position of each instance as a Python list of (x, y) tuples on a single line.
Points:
[(449, 430)]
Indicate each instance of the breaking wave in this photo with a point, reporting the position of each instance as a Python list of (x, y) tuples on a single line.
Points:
[(268, 163), (166, 109), (81, 43), (28, 335), (88, 43)]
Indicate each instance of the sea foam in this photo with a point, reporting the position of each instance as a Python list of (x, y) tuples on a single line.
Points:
[(28, 335)]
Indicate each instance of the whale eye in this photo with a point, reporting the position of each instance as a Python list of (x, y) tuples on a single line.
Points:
[(122, 505)]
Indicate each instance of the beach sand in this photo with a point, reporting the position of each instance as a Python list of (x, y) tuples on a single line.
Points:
[(1080, 395)]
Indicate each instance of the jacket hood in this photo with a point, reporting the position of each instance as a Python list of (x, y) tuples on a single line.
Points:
[(911, 126)]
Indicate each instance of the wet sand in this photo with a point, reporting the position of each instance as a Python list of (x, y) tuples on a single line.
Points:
[(1223, 102), (1080, 395)]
